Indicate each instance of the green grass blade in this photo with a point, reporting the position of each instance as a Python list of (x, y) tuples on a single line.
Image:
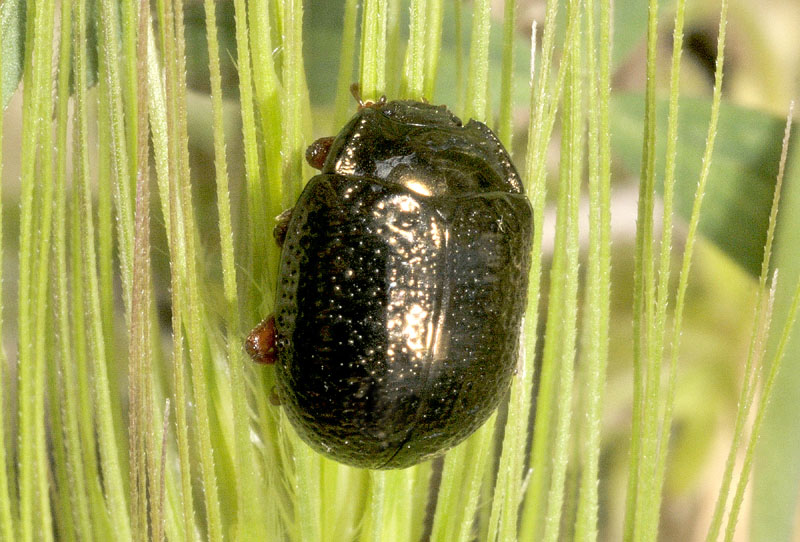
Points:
[(113, 476), (402, 491), (121, 162), (447, 504), (653, 477), (536, 187), (129, 82), (658, 333), (344, 78), (761, 411), (78, 492), (433, 40), (63, 519), (68, 404), (423, 480), (307, 463), (475, 466), (693, 222), (505, 129), (377, 505), (155, 434), (145, 448), (158, 515), (261, 204), (67, 498), (567, 248), (462, 476), (7, 527), (180, 197), (174, 508), (395, 45), (414, 71), (294, 120), (255, 192), (599, 267), (507, 496), (105, 231), (766, 394), (372, 69), (478, 71), (33, 475), (307, 491), (266, 197), (251, 508), (140, 403), (458, 11), (395, 505), (544, 106), (158, 122), (101, 521), (504, 495), (753, 369), (666, 239), (773, 511), (344, 493), (41, 288), (116, 176), (642, 442), (105, 213)]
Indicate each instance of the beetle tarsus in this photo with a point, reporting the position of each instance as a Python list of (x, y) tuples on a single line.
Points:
[(281, 226), (260, 344), (317, 152), (274, 398)]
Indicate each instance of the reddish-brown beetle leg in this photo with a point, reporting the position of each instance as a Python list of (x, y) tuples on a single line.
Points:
[(281, 226), (317, 152), (260, 344), (274, 398)]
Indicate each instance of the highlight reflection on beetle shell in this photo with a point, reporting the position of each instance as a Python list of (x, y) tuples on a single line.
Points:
[(402, 285)]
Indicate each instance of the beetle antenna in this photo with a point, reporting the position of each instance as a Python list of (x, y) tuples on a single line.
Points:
[(355, 90)]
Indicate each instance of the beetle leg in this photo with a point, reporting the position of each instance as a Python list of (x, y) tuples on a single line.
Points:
[(317, 152), (260, 344), (274, 398), (355, 90), (281, 226)]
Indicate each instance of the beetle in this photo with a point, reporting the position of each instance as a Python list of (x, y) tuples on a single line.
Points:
[(402, 286)]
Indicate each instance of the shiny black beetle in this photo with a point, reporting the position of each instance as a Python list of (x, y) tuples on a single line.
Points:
[(402, 285)]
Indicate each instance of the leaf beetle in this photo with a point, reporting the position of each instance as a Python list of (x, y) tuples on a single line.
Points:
[(402, 284)]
